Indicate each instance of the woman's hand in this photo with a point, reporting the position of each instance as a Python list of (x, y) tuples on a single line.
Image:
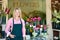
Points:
[(12, 36)]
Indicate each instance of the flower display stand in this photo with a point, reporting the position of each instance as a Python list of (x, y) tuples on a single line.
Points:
[(35, 30), (36, 38)]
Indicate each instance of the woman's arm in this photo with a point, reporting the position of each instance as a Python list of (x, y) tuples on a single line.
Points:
[(23, 29), (8, 25)]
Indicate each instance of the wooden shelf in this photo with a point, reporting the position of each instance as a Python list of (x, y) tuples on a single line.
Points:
[(56, 30), (56, 34)]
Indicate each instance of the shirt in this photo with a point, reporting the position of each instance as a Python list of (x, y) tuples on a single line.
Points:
[(9, 26)]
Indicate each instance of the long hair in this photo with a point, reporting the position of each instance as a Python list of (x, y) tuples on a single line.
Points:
[(19, 12)]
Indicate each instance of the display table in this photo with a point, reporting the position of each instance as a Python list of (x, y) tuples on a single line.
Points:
[(36, 38)]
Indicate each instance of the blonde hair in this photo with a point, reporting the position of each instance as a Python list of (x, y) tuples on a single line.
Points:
[(19, 12)]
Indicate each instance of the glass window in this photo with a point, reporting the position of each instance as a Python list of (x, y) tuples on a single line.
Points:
[(3, 19)]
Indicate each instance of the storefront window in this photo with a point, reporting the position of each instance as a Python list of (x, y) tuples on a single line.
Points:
[(3, 19)]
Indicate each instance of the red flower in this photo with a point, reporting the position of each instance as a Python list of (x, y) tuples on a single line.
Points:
[(38, 26), (7, 10), (29, 20)]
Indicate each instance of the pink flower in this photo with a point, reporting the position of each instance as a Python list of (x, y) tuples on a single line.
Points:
[(34, 19), (36, 28), (39, 18), (45, 27)]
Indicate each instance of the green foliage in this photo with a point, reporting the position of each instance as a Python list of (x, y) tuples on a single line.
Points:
[(27, 26), (56, 16), (25, 18)]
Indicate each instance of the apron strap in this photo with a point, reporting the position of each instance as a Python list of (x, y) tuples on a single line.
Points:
[(20, 21), (13, 21)]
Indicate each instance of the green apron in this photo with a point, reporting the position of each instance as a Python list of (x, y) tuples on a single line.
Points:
[(17, 31)]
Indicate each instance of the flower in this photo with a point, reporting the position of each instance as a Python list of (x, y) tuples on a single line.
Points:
[(28, 20), (45, 27), (34, 19), (38, 26), (31, 30), (39, 18), (7, 10), (31, 18)]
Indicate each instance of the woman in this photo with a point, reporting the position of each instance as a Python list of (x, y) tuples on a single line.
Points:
[(15, 27)]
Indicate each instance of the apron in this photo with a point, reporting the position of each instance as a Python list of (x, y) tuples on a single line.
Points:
[(17, 31)]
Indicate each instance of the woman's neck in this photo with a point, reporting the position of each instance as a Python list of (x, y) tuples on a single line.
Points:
[(17, 18)]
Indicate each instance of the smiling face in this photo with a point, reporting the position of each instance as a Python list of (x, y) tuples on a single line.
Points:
[(17, 13)]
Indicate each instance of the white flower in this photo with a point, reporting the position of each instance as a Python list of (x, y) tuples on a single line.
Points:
[(34, 34), (57, 21)]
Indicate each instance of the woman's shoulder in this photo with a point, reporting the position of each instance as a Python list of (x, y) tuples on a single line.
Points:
[(22, 19), (10, 19)]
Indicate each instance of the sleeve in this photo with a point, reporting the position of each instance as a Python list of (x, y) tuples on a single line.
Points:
[(8, 25), (23, 29)]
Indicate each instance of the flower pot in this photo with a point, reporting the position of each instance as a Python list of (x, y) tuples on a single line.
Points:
[(27, 32)]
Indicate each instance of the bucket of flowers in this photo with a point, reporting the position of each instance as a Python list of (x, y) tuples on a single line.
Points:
[(32, 23), (34, 28)]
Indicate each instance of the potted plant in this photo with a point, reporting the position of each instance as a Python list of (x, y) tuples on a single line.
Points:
[(56, 19)]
